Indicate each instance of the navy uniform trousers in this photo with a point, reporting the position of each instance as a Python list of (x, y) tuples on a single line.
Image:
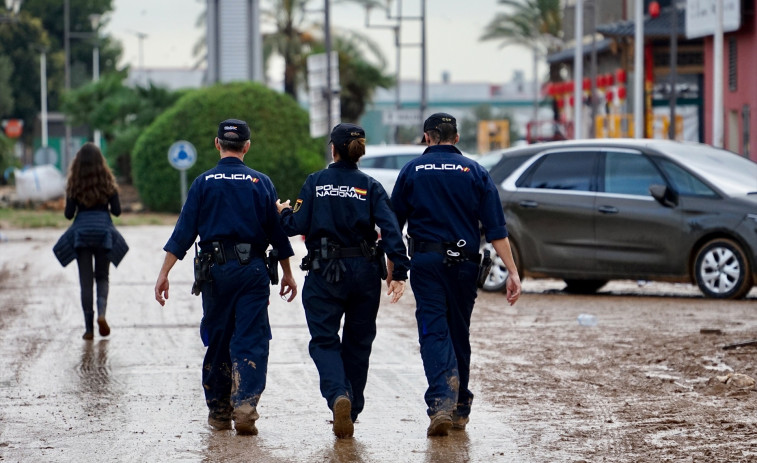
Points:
[(444, 303), (343, 366), (236, 329)]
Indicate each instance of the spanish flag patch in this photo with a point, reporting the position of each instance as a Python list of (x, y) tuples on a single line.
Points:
[(297, 205), (360, 191)]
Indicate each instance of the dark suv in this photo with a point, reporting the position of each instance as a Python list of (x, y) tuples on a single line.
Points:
[(590, 211)]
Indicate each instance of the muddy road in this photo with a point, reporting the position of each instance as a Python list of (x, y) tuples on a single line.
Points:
[(643, 385)]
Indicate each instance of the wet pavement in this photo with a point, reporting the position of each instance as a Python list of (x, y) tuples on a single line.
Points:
[(136, 395)]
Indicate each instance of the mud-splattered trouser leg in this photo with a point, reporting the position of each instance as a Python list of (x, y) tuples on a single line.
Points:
[(236, 329), (87, 276), (444, 302)]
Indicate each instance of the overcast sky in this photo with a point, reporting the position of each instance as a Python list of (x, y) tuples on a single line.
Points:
[(453, 29)]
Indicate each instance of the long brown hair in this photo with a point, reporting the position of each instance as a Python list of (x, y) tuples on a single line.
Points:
[(90, 181)]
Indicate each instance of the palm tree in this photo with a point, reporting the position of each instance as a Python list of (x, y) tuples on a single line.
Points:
[(530, 23), (536, 24)]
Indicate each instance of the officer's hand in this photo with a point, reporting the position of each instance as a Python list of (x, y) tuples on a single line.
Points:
[(161, 289), (281, 206), (396, 290), (288, 286), (513, 288)]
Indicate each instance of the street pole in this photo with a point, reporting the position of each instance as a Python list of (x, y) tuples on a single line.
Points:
[(66, 154), (593, 71), (578, 71), (717, 79), (536, 83), (257, 43), (673, 70), (329, 91), (424, 78), (96, 78), (638, 65), (43, 95)]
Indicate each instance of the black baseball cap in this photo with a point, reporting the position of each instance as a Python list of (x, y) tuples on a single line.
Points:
[(436, 119), (233, 126), (344, 133)]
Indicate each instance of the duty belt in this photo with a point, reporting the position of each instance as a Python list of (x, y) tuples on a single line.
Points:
[(326, 258), (453, 252)]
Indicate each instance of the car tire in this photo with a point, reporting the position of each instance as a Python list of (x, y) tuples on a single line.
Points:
[(497, 278), (721, 270), (583, 286)]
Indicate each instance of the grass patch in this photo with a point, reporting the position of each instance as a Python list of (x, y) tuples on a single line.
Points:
[(28, 218)]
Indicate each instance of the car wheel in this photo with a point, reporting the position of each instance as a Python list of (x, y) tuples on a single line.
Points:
[(721, 270), (583, 286), (497, 278)]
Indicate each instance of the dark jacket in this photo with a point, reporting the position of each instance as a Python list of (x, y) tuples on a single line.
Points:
[(91, 229)]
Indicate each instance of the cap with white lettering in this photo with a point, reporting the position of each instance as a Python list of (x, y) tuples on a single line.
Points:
[(233, 130)]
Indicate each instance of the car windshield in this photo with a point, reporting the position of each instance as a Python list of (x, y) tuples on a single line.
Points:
[(730, 172), (488, 160)]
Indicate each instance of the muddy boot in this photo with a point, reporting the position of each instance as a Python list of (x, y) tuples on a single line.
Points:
[(244, 420), (441, 422), (219, 422), (459, 422), (342, 409), (89, 328)]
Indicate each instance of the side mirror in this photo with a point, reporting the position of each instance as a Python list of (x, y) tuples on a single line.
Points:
[(664, 195)]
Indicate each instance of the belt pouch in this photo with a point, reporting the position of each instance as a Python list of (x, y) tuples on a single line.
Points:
[(243, 252)]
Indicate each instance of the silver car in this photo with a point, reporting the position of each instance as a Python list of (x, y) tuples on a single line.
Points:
[(590, 211)]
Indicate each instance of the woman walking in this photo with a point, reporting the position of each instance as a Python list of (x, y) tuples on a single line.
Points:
[(338, 210), (92, 239)]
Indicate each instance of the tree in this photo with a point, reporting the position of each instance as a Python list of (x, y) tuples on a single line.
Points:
[(281, 143), (120, 112), (20, 42), (530, 23), (358, 78)]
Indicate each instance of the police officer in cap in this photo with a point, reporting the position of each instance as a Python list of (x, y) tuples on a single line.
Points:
[(338, 210), (443, 196), (233, 210)]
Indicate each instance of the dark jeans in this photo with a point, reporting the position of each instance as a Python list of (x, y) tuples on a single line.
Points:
[(343, 364), (87, 276)]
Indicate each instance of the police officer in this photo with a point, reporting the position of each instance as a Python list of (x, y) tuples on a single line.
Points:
[(443, 196), (233, 209), (337, 210)]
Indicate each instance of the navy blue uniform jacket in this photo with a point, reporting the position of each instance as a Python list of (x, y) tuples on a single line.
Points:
[(344, 205), (443, 195), (231, 203)]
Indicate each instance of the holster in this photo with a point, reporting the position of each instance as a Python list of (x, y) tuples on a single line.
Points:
[(484, 268), (202, 263), (381, 256), (272, 264)]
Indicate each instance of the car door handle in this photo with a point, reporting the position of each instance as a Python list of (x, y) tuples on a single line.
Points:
[(608, 210), (528, 204)]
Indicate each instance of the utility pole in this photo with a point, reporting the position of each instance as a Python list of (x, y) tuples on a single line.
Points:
[(717, 78), (638, 65), (329, 90), (578, 72), (67, 66), (673, 69)]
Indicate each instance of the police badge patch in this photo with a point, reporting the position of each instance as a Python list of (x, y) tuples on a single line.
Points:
[(297, 205)]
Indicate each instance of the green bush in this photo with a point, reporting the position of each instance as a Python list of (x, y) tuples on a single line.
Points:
[(7, 158), (281, 143)]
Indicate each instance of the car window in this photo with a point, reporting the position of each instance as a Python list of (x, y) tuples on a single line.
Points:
[(562, 171), (630, 174), (500, 171), (377, 162), (685, 183), (401, 159)]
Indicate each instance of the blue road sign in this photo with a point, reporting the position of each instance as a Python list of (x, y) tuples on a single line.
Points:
[(182, 155)]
